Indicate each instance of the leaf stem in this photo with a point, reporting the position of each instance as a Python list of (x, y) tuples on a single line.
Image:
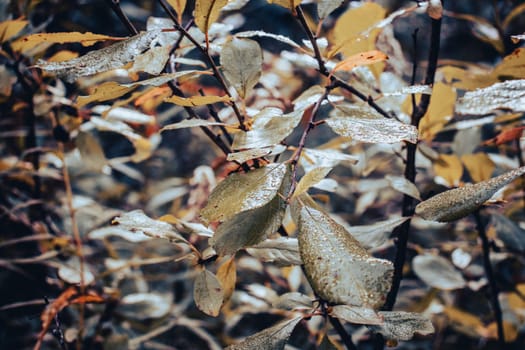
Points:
[(115, 5), (496, 307), (345, 337)]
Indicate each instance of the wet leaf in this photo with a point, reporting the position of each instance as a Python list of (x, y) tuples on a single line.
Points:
[(241, 61), (337, 267), (227, 276), (400, 325), (208, 293), (137, 222), (242, 192), (196, 101), (404, 186), (111, 57), (273, 338), (311, 178), (244, 156), (438, 272), (479, 165), (508, 95), (509, 232), (459, 202), (260, 33), (282, 251), (360, 59), (207, 12), (325, 7), (293, 301), (361, 123), (359, 315)]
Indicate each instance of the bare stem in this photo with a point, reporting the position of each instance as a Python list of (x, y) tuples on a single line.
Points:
[(115, 5)]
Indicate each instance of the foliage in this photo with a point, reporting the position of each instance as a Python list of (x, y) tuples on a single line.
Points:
[(214, 181)]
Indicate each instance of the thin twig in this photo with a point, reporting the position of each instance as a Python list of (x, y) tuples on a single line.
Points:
[(215, 117), (115, 5), (402, 232), (324, 71), (496, 307), (345, 337)]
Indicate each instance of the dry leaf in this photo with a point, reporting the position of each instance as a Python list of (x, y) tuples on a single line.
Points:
[(438, 272), (208, 293), (196, 101), (207, 12), (360, 59), (227, 276)]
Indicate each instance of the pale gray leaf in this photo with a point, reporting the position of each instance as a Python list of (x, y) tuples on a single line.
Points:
[(508, 95), (190, 123), (293, 301), (145, 306), (509, 232), (374, 235), (311, 178), (111, 57), (325, 7), (273, 338), (241, 61), (359, 315), (243, 156), (260, 33), (459, 202), (438, 272), (70, 272), (324, 158), (208, 293), (362, 123), (282, 251), (404, 186), (242, 192), (400, 325), (152, 61), (414, 89)]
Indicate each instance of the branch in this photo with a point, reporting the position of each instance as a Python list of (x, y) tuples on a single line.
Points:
[(115, 5), (345, 337), (496, 307), (324, 71)]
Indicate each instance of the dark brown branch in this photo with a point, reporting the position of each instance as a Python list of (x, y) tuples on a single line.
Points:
[(345, 337), (496, 307), (521, 163), (115, 5), (402, 232)]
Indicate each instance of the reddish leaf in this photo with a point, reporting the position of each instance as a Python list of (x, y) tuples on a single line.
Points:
[(506, 136)]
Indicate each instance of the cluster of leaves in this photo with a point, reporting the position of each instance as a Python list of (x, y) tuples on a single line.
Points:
[(284, 148)]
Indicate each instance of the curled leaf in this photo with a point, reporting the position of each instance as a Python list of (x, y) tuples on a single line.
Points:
[(337, 267), (459, 202)]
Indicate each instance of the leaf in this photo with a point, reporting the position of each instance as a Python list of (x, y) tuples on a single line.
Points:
[(414, 89), (374, 235), (208, 293), (459, 202), (359, 59), (227, 276), (324, 158), (479, 165), (439, 112), (508, 95), (359, 315), (338, 268), (91, 152), (517, 38), (70, 273), (86, 39), (104, 92), (178, 6), (289, 4), (248, 228), (190, 123), (310, 179), (152, 61), (207, 12), (242, 192), (241, 61), (404, 186), (111, 57), (435, 9), (10, 28), (506, 136), (260, 33), (145, 306), (269, 128), (273, 338), (400, 325), (437, 272), (362, 123), (244, 156), (449, 167), (138, 222), (293, 301), (196, 101), (282, 251), (509, 232), (325, 7)]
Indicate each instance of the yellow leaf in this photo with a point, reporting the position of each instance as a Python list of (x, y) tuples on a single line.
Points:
[(9, 29), (227, 275), (360, 59), (491, 331), (289, 4), (449, 167), (195, 101), (86, 39), (479, 166), (63, 55), (143, 149), (465, 322), (178, 6), (439, 112), (104, 92), (207, 12), (350, 32)]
